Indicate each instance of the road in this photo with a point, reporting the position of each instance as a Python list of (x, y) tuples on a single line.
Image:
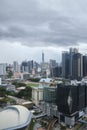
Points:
[(18, 100), (51, 124), (84, 127)]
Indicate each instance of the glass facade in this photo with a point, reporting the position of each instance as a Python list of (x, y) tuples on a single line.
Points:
[(49, 94), (71, 99)]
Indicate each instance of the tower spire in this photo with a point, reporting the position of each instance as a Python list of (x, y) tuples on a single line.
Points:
[(42, 56)]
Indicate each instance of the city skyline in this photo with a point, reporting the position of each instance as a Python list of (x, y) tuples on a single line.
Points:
[(29, 26)]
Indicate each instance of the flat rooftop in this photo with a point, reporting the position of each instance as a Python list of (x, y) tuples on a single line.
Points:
[(14, 117)]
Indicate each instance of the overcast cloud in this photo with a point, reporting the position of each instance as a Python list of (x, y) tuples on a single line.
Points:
[(55, 24)]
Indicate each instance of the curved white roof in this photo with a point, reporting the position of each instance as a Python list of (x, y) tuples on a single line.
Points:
[(46, 80), (14, 117)]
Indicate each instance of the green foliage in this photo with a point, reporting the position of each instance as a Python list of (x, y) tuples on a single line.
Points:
[(37, 113), (78, 126), (18, 84), (34, 79), (12, 93), (26, 94), (5, 100), (2, 92), (43, 124), (31, 127), (10, 74), (32, 85), (63, 127)]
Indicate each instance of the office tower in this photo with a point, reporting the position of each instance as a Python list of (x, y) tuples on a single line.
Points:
[(24, 66), (73, 98), (15, 66), (71, 102), (72, 64), (56, 71), (85, 65), (30, 66), (49, 94), (53, 68), (72, 51), (67, 99), (27, 66), (3, 68), (65, 64), (42, 57), (53, 63), (77, 66)]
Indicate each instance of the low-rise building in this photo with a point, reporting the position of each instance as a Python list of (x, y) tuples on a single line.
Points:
[(9, 87), (37, 95), (15, 117)]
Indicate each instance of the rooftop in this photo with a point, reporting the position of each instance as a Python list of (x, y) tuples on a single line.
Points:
[(46, 80), (14, 117)]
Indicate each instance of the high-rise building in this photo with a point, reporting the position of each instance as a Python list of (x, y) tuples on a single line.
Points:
[(53, 68), (56, 71), (27, 66), (77, 66), (24, 66), (72, 51), (53, 63), (71, 102), (73, 99), (3, 68), (16, 66), (72, 64), (42, 57), (65, 64), (50, 94), (85, 65), (30, 65)]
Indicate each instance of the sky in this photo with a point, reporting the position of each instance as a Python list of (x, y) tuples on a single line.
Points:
[(28, 27)]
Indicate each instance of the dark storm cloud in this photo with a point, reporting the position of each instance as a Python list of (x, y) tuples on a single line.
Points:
[(43, 22)]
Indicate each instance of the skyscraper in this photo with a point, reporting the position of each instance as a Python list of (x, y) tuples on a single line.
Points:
[(3, 68), (24, 66), (72, 51), (72, 64), (65, 64), (77, 66), (27, 66), (15, 66), (42, 57), (85, 65)]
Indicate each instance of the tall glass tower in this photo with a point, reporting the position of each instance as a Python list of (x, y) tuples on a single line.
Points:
[(42, 57)]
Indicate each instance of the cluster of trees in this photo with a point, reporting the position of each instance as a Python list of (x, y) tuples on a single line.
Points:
[(17, 84), (34, 79), (4, 100), (26, 93), (10, 74), (3, 92)]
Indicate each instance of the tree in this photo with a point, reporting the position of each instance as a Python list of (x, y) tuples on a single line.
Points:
[(10, 74), (18, 84), (27, 93), (2, 92)]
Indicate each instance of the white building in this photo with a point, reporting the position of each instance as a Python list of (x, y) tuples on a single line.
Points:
[(45, 82), (37, 95), (9, 87), (15, 117), (3, 69), (16, 66), (25, 76)]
